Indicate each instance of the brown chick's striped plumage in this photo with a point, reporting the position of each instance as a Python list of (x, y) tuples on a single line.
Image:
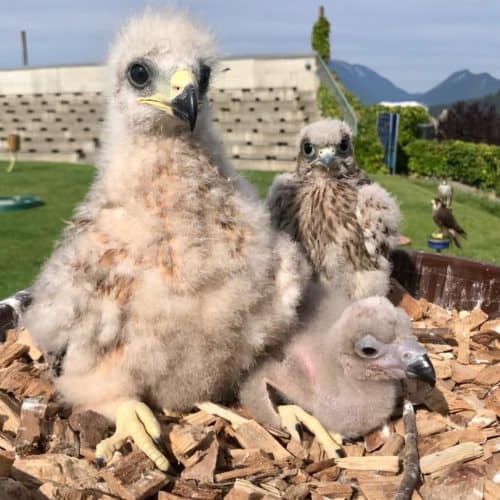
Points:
[(169, 281), (343, 367), (346, 224), (445, 220)]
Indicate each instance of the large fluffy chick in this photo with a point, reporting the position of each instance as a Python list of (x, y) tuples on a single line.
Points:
[(346, 224), (169, 281), (342, 367)]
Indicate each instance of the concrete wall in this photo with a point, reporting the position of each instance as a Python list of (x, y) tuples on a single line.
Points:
[(248, 72)]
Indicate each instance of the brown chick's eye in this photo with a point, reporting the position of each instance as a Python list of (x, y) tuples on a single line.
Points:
[(138, 75), (308, 149), (344, 145)]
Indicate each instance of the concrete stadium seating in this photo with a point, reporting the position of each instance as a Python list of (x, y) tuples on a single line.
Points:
[(257, 124)]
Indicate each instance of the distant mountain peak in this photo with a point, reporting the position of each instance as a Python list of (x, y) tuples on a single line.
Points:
[(366, 84), (370, 87)]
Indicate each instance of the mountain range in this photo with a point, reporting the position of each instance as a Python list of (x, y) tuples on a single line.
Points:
[(370, 87)]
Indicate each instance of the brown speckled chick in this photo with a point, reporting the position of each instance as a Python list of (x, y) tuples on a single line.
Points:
[(346, 224), (169, 281), (343, 367)]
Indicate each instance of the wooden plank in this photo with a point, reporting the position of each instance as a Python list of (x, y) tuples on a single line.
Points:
[(458, 453)]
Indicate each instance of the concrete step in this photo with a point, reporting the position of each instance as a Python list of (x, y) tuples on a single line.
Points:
[(264, 108), (297, 121), (261, 152), (59, 157), (260, 93), (257, 128), (269, 165), (245, 139)]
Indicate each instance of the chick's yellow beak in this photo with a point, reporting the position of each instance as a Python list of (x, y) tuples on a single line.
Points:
[(179, 99)]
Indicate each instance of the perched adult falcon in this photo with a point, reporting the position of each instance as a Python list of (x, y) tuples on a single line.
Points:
[(346, 224), (445, 192), (170, 280), (445, 220)]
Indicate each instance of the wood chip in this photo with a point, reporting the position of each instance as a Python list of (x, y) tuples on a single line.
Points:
[(458, 453), (91, 427), (62, 439), (247, 457), (392, 446), (69, 471), (184, 440), (253, 435), (6, 461), (24, 338), (334, 490), (54, 491), (134, 477), (376, 439), (30, 427), (186, 489), (11, 489), (430, 423), (10, 413), (222, 412), (380, 463), (261, 470), (492, 325), (489, 376), (11, 352), (203, 471), (245, 490), (6, 442)]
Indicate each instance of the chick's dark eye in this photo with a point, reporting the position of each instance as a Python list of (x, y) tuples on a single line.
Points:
[(138, 75), (308, 149), (204, 78), (369, 351), (344, 145)]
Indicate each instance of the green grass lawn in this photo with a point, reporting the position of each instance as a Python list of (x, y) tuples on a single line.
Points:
[(27, 237)]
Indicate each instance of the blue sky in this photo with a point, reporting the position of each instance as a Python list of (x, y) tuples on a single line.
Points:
[(415, 43)]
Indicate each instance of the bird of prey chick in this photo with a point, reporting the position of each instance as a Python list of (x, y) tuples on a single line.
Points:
[(169, 281), (344, 368), (445, 220), (445, 192), (346, 224)]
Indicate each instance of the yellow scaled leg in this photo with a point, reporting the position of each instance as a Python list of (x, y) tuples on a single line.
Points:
[(136, 421), (291, 415)]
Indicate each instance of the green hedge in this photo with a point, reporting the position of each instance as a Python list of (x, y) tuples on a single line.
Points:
[(474, 164)]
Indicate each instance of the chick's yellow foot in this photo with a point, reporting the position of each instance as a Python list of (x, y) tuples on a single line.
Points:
[(292, 415), (136, 421)]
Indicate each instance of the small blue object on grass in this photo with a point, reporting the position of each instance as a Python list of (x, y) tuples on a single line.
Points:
[(438, 242), (19, 202)]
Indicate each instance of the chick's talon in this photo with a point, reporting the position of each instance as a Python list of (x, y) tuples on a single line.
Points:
[(136, 421), (292, 415)]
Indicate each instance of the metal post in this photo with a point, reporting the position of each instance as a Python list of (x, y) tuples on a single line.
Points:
[(24, 47)]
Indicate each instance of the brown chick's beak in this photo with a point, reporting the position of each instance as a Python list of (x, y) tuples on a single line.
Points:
[(422, 368), (185, 105)]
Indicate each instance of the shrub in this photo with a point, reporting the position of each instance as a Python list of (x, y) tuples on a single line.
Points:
[(320, 37), (473, 164)]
